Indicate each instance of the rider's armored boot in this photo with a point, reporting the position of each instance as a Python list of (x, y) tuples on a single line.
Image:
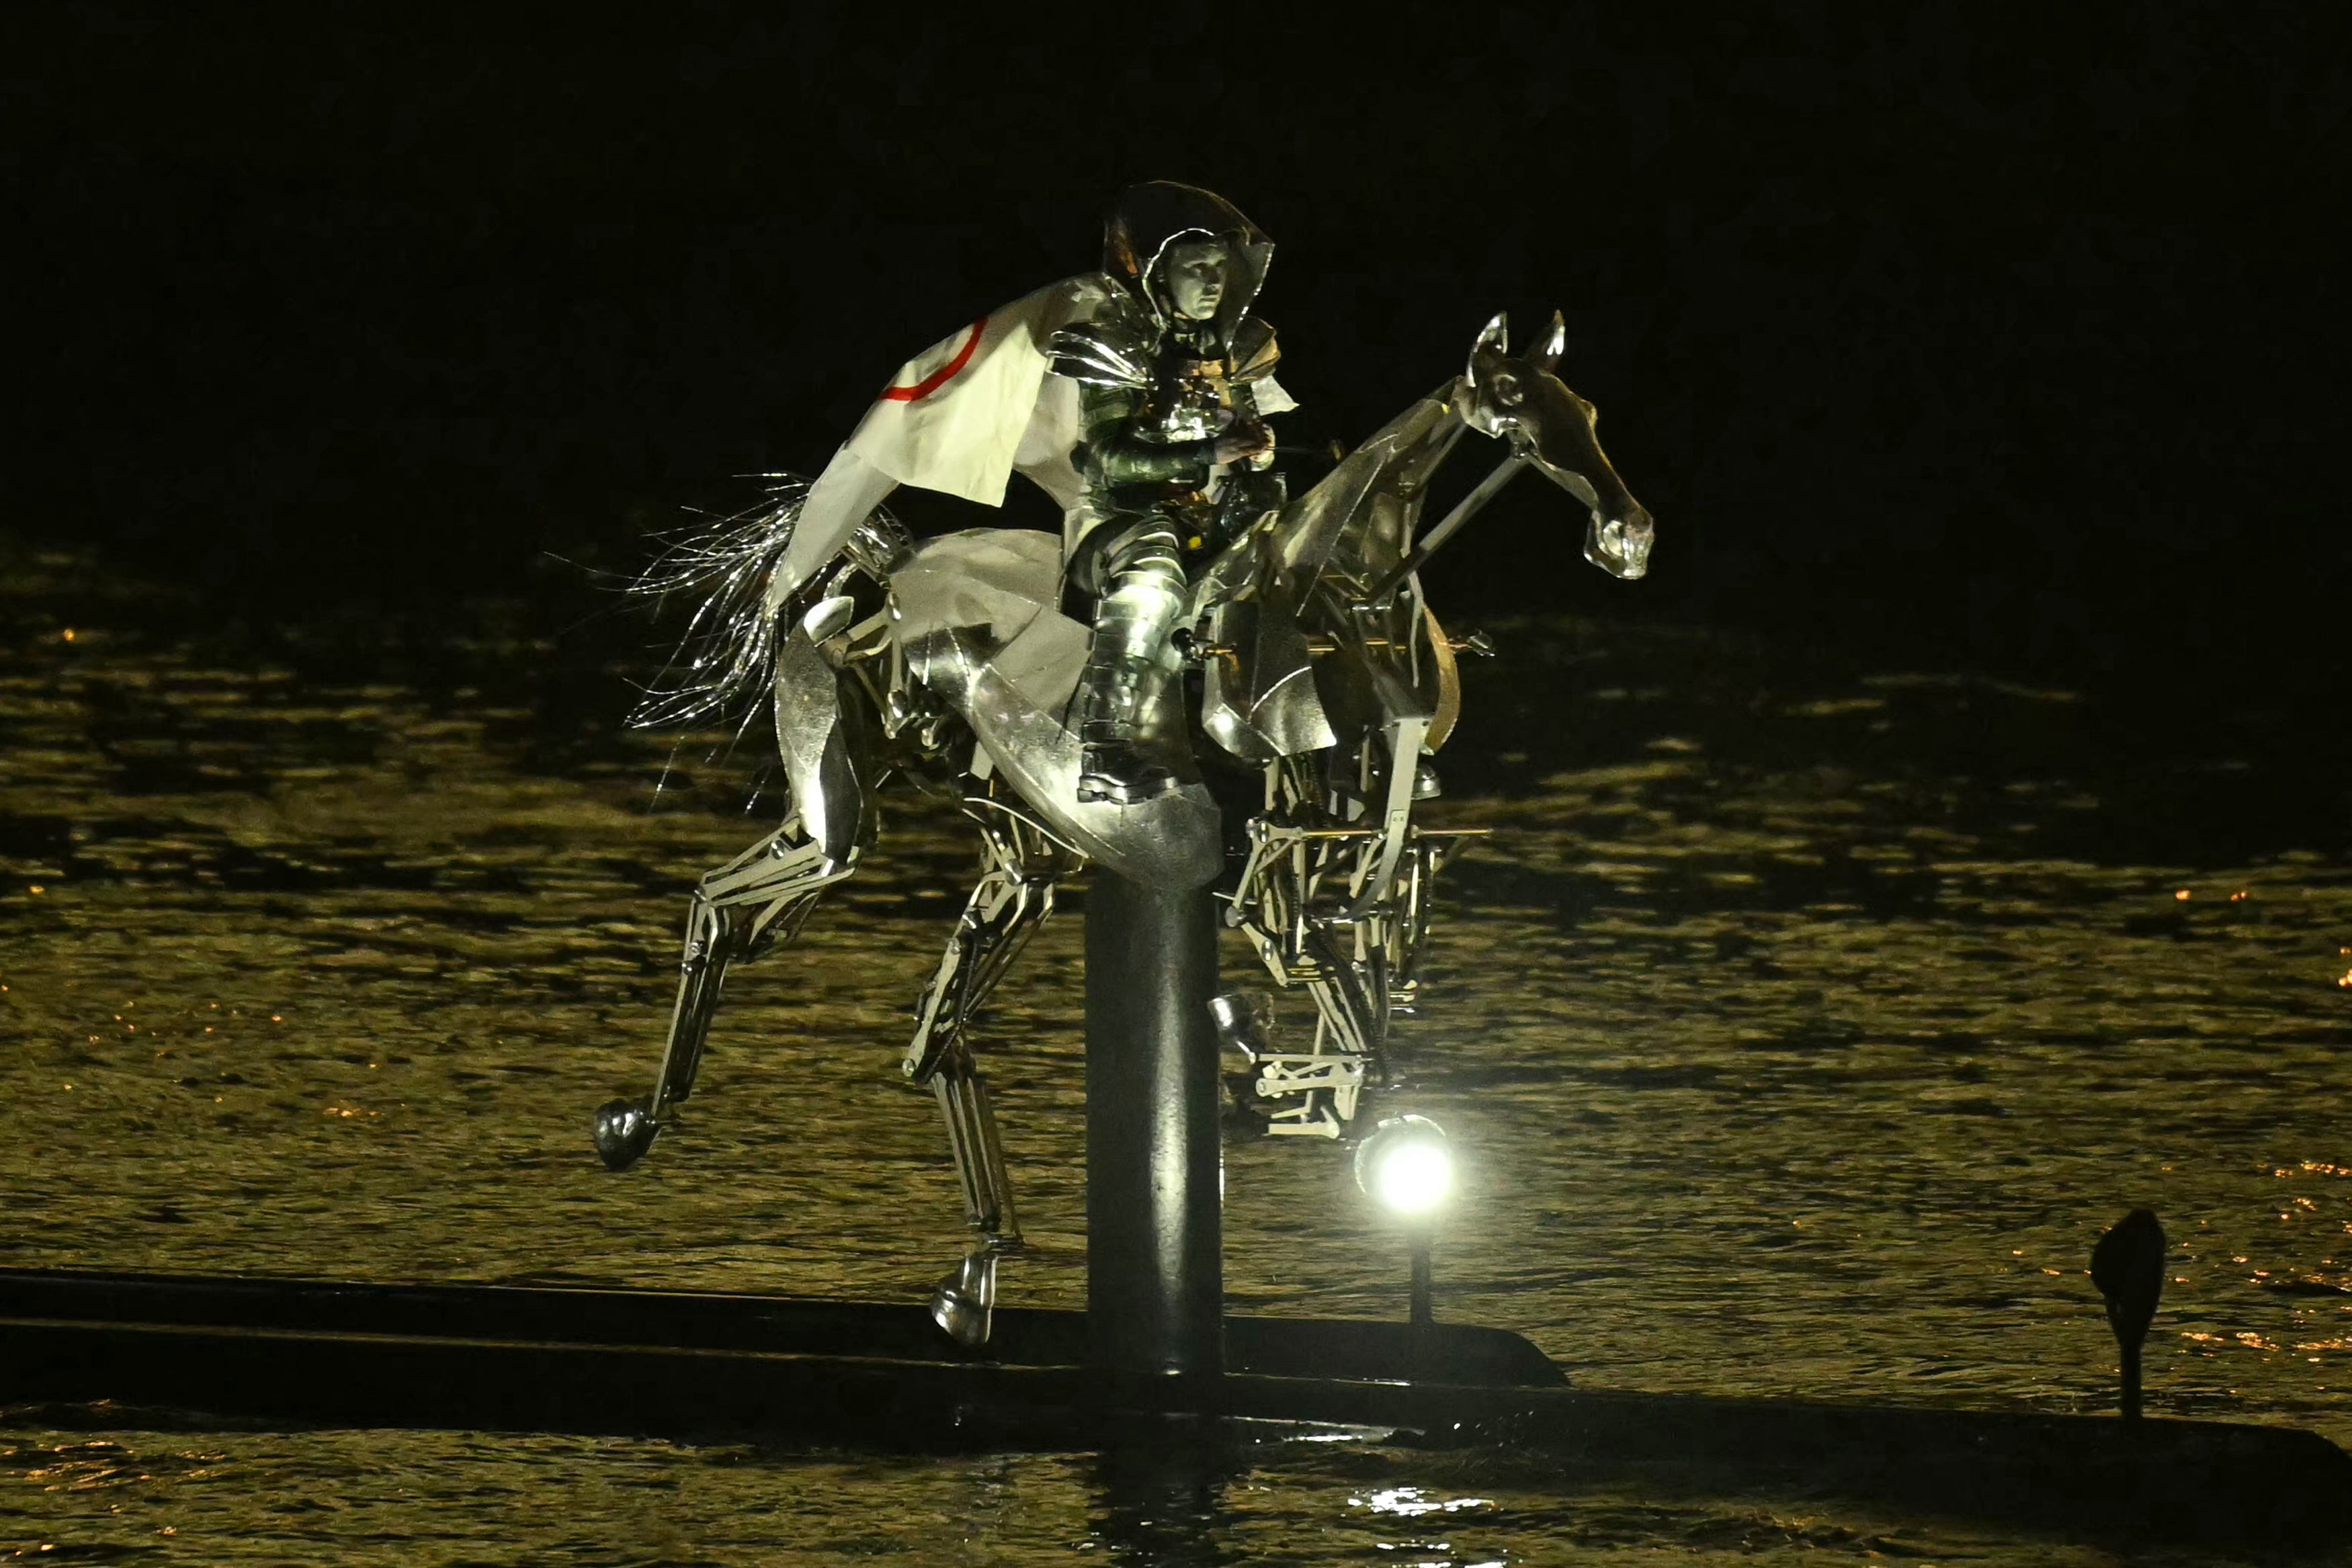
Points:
[(1144, 600), (1109, 766)]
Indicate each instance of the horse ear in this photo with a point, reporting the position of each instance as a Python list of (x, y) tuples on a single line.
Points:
[(1492, 338), (1546, 353)]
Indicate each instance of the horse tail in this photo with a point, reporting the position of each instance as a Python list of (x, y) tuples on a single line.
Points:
[(721, 669)]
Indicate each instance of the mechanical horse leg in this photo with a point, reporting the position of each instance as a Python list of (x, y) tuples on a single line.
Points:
[(762, 895), (965, 1302), (1014, 895)]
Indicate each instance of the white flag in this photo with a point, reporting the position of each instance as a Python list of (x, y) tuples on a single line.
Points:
[(963, 417), (953, 419)]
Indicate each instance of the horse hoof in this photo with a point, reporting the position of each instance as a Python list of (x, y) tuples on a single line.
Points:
[(624, 1130), (965, 1302)]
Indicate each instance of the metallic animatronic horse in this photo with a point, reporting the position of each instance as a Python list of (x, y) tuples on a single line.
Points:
[(1321, 670)]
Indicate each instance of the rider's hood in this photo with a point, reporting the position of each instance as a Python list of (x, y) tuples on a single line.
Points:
[(1148, 218)]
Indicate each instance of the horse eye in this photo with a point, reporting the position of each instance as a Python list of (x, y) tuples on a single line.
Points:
[(1506, 389)]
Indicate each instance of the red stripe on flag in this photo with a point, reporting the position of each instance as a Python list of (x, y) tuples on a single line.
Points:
[(941, 376)]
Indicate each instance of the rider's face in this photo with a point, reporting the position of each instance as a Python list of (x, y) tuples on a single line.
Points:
[(1196, 276)]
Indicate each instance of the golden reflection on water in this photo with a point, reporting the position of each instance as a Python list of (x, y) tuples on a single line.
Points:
[(1796, 1038)]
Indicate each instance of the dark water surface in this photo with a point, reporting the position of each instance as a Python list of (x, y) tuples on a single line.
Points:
[(1802, 1025)]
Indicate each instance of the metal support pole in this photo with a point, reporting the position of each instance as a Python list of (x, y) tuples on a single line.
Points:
[(1424, 1307), (1155, 1267)]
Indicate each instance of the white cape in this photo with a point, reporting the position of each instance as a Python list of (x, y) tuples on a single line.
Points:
[(963, 417)]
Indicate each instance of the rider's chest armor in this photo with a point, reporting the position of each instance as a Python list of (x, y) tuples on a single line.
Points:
[(1189, 386), (1190, 401), (1150, 386)]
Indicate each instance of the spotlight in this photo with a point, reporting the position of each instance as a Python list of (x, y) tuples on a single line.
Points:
[(1407, 1168)]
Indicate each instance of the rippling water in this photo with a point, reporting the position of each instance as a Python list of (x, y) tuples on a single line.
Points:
[(1802, 1025)]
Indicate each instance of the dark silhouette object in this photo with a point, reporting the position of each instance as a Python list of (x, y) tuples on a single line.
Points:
[(2127, 1266), (1424, 1304)]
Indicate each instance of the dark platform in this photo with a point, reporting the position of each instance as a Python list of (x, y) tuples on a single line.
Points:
[(650, 1363)]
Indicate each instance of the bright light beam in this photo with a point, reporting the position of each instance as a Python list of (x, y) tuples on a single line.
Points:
[(1406, 1167)]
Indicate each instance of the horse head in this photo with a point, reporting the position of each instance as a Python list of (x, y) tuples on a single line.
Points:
[(1520, 397)]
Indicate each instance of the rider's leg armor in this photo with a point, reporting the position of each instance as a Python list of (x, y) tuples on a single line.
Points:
[(1143, 599)]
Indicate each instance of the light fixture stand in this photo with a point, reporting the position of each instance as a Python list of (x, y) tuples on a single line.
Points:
[(1424, 1310)]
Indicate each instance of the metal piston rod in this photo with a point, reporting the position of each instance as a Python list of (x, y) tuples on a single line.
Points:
[(1471, 505)]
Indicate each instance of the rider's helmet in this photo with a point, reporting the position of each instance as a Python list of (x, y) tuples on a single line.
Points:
[(1149, 219)]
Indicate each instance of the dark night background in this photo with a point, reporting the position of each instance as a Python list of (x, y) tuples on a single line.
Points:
[(1998, 345)]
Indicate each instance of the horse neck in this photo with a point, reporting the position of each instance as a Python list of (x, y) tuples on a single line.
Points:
[(1357, 521)]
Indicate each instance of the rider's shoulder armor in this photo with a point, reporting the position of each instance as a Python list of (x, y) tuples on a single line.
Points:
[(1121, 348), (1254, 353), (1116, 349)]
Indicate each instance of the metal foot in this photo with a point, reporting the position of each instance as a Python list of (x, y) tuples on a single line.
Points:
[(965, 1302), (624, 1130)]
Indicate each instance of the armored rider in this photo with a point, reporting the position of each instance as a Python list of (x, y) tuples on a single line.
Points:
[(1173, 449)]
